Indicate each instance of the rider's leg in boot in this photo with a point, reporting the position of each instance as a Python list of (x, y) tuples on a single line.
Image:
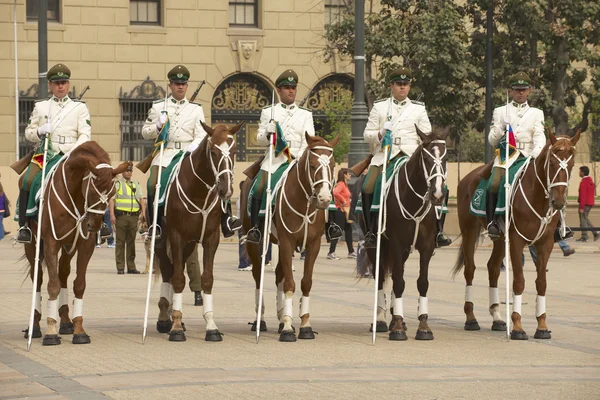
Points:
[(441, 239), (254, 234), (490, 211), (229, 224), (24, 233), (370, 220)]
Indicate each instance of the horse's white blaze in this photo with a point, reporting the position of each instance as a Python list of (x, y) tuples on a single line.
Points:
[(517, 301), (177, 301), (422, 308), (38, 302), (304, 305), (439, 188), (63, 297), (224, 147), (398, 307), (494, 296), (52, 309), (540, 305), (381, 307), (468, 294), (256, 299), (77, 307)]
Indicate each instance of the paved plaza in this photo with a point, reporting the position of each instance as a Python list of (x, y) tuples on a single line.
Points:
[(339, 363)]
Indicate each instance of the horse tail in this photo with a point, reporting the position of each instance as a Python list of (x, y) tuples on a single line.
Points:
[(460, 260)]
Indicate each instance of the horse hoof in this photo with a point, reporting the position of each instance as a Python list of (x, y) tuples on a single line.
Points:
[(37, 332), (542, 334), (263, 326), (306, 333), (472, 325), (164, 326), (381, 327), (81, 338), (499, 326), (176, 336), (66, 329), (424, 335), (51, 340), (183, 327), (398, 335), (281, 328), (213, 335), (518, 335), (287, 336)]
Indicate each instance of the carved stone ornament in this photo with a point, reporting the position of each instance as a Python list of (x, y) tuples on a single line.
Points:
[(246, 50)]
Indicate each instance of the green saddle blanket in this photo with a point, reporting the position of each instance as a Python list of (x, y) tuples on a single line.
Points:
[(390, 174), (478, 202), (36, 184), (275, 178), (167, 176)]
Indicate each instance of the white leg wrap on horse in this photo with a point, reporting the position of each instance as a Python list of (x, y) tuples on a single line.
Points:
[(208, 303), (171, 292), (422, 309), (398, 307), (77, 307), (165, 289), (304, 305), (494, 296), (52, 308), (256, 298), (288, 306), (63, 297), (177, 301), (540, 306), (38, 302), (517, 300), (381, 300), (468, 294), (280, 300)]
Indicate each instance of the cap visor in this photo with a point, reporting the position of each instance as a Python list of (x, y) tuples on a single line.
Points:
[(520, 87)]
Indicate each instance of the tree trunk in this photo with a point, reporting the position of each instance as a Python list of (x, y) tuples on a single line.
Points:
[(559, 113)]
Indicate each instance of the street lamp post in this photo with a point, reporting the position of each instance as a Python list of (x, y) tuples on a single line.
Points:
[(42, 48), (489, 83)]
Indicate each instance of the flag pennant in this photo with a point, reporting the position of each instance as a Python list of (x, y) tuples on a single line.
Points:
[(163, 137), (38, 156), (279, 143), (512, 145), (386, 142)]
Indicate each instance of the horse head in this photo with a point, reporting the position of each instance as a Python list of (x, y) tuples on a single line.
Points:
[(558, 165), (318, 168), (221, 151), (433, 160)]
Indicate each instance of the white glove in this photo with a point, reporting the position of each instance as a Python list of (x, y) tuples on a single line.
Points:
[(387, 126), (505, 121), (191, 147), (162, 118), (271, 127), (44, 130)]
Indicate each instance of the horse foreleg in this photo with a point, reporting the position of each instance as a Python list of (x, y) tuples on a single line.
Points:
[(312, 251), (381, 325), (399, 257), (64, 270), (51, 337), (176, 333), (286, 251), (516, 254), (164, 323), (84, 253), (493, 267), (210, 245), (423, 331), (469, 228), (543, 249)]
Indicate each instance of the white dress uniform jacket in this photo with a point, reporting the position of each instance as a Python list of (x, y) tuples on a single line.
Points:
[(528, 127), (405, 114), (294, 121), (70, 121), (185, 127)]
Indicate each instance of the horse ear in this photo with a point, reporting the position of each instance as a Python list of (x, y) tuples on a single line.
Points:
[(122, 168), (236, 128), (442, 133), (424, 137), (551, 136), (335, 140), (207, 128), (575, 138), (309, 139), (92, 168)]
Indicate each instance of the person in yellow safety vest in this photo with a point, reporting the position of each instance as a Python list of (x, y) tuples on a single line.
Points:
[(126, 208)]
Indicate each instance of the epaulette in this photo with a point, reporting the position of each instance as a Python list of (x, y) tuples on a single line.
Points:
[(305, 109), (269, 106), (158, 101), (196, 104), (78, 101), (380, 100), (37, 101), (418, 102)]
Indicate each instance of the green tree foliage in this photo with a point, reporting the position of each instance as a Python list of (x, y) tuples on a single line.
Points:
[(338, 122)]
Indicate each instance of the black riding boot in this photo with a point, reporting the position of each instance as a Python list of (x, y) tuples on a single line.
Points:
[(24, 234), (490, 211), (370, 222), (441, 239), (254, 234), (229, 224)]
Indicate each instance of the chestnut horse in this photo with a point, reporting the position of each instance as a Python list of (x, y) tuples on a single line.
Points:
[(193, 215), (410, 223), (76, 197), (536, 200), (299, 222)]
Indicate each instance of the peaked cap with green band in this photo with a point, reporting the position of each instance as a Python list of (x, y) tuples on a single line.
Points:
[(179, 74), (287, 78), (60, 72), (401, 74), (520, 80)]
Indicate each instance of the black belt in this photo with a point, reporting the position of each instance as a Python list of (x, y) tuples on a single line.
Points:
[(119, 213)]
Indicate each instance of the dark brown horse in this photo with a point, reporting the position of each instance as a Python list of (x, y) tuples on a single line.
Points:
[(193, 215), (76, 197), (299, 222), (537, 199), (410, 223)]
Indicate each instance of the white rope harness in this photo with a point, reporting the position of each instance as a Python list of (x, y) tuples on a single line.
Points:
[(563, 164), (437, 170), (211, 199), (78, 216), (308, 217)]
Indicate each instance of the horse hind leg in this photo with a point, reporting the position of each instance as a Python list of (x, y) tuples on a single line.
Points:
[(312, 251), (470, 231), (64, 270), (493, 266)]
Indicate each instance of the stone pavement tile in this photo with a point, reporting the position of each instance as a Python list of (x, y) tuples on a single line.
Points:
[(8, 374), (22, 389)]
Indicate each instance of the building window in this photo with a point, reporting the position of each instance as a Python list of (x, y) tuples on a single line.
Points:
[(243, 13), (334, 10), (53, 10), (144, 12)]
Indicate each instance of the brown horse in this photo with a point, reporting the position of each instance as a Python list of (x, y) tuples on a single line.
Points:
[(192, 215), (537, 198), (76, 198), (410, 223), (299, 222)]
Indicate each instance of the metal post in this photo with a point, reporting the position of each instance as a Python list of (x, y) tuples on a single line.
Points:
[(17, 143), (489, 83), (359, 149), (42, 48)]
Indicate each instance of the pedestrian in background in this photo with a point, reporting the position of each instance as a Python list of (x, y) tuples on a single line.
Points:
[(586, 202), (111, 239), (4, 210), (342, 198)]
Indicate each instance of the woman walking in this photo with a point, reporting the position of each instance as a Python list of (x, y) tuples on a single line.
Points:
[(3, 210), (342, 198)]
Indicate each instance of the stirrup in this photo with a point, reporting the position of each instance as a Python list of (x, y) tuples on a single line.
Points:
[(250, 236), (105, 231), (158, 231), (25, 231), (234, 224), (370, 240), (493, 230), (334, 231)]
